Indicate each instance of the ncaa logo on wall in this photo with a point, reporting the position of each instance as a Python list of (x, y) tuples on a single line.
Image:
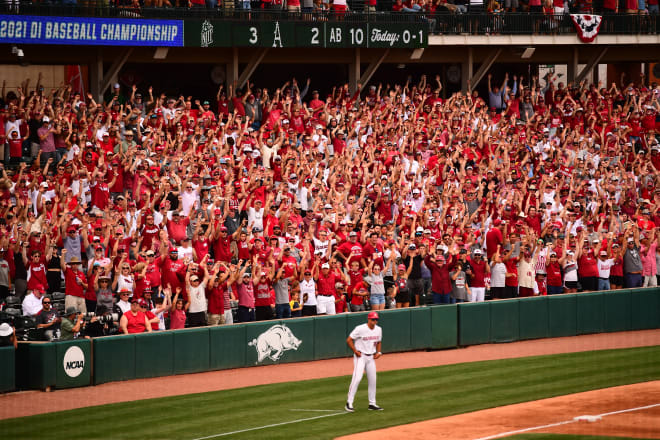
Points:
[(206, 35), (74, 361), (274, 342)]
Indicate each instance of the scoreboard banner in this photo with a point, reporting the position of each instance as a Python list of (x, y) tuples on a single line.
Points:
[(28, 29), (212, 33)]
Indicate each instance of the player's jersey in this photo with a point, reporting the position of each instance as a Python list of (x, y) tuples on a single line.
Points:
[(366, 339)]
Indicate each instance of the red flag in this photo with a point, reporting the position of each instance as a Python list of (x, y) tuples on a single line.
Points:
[(75, 79)]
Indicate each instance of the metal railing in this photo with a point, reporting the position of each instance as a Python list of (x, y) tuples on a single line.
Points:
[(440, 22), (101, 8), (527, 24)]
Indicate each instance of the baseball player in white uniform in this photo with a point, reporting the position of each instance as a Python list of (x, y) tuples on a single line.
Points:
[(365, 340)]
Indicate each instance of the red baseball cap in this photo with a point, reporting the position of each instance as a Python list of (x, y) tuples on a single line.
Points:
[(372, 315)]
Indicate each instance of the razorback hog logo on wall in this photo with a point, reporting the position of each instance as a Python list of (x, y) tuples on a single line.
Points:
[(274, 342), (74, 361)]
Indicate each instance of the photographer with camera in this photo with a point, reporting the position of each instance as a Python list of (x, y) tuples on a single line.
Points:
[(72, 324), (103, 324)]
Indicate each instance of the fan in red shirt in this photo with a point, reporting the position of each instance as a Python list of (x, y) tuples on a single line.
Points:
[(149, 232), (176, 227), (351, 250), (173, 271), (101, 190), (494, 238), (135, 320)]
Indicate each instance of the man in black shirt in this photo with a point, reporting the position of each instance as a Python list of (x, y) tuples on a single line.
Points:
[(48, 319), (415, 282)]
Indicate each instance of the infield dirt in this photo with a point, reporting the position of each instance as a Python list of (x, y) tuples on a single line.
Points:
[(533, 416)]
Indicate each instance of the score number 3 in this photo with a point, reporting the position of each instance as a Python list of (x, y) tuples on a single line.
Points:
[(254, 36)]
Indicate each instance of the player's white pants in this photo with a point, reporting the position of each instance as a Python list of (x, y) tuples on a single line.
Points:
[(477, 294), (359, 365)]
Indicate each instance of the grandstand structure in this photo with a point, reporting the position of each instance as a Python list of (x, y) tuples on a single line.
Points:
[(105, 38)]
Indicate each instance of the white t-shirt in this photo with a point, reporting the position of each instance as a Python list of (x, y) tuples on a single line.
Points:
[(366, 339), (124, 306), (256, 217), (125, 282), (32, 305), (321, 247), (604, 267), (309, 288), (197, 298), (498, 275), (188, 199), (185, 252), (73, 151), (161, 317)]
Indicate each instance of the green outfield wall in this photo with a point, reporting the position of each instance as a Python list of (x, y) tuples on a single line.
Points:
[(87, 362), (7, 369)]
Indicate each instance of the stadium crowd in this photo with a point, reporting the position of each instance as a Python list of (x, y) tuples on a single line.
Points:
[(168, 210)]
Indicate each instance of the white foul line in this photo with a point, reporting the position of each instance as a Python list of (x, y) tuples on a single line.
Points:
[(270, 426), (566, 422), (315, 410)]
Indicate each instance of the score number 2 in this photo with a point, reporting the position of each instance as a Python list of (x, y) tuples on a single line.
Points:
[(315, 36)]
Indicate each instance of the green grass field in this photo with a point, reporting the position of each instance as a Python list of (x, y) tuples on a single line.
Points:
[(407, 396)]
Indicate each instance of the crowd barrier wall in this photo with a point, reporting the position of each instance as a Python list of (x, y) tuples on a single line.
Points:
[(84, 362), (65, 364), (8, 369)]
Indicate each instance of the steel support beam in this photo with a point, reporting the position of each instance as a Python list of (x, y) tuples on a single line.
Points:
[(572, 67), (96, 76), (373, 66), (232, 69), (251, 66), (354, 71), (111, 75), (490, 59), (467, 70), (591, 64)]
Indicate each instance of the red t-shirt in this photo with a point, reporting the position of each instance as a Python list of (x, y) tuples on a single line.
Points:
[(215, 297), (100, 194), (136, 323), (201, 247), (478, 273), (512, 268), (493, 238), (587, 265), (347, 247), (263, 294), (37, 276), (177, 319), (71, 279), (325, 284), (177, 230), (554, 274)]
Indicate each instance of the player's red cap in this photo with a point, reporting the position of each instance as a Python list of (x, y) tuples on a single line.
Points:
[(372, 315)]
